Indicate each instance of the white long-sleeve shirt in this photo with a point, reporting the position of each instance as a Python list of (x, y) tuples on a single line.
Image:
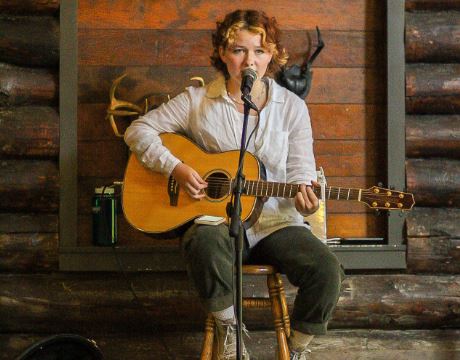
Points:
[(207, 116)]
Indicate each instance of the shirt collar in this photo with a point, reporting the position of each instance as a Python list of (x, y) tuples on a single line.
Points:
[(217, 88)]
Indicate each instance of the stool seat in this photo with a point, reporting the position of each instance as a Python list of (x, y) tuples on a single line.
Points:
[(276, 301)]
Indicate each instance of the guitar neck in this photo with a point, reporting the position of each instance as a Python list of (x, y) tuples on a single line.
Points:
[(275, 189)]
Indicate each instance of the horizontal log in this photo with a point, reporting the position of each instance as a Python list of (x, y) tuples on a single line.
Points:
[(379, 344), (430, 136), (434, 182), (333, 14), (432, 80), (330, 85), (431, 37), (432, 88), (91, 303), (432, 5), (24, 47), (433, 222), (436, 254), (29, 185), (27, 86), (13, 223), (432, 240), (27, 7), (177, 47), (29, 252), (29, 131), (449, 104)]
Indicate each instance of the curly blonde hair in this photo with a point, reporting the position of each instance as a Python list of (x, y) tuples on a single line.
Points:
[(256, 22)]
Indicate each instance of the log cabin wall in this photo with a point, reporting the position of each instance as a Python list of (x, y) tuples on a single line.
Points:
[(433, 135), (37, 301), (29, 136)]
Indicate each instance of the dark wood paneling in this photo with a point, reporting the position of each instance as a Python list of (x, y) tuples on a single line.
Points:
[(331, 85), (432, 88), (179, 48), (29, 131), (329, 121), (432, 5), (432, 37), (297, 14), (348, 121), (127, 235), (78, 303), (434, 182), (355, 225), (35, 7), (24, 86), (349, 158), (29, 185), (102, 158), (21, 46), (428, 136)]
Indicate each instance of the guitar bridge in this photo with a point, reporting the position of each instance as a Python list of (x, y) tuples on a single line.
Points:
[(173, 191)]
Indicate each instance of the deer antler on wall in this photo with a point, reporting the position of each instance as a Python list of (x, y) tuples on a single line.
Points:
[(122, 108)]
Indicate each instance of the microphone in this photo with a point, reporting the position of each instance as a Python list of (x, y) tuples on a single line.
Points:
[(248, 76)]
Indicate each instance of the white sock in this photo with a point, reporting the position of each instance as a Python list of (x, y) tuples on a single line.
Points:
[(298, 341), (226, 316)]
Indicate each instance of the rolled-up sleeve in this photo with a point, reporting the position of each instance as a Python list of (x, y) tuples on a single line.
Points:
[(142, 136)]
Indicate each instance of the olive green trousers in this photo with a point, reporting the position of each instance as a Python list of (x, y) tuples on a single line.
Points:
[(295, 251)]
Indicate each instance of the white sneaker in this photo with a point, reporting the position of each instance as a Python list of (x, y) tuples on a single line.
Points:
[(226, 341), (302, 355)]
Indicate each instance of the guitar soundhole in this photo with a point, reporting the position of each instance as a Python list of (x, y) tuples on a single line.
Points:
[(218, 185)]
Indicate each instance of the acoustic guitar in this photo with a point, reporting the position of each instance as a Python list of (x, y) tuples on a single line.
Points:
[(154, 203)]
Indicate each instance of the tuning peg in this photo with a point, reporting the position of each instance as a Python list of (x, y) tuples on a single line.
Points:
[(380, 184)]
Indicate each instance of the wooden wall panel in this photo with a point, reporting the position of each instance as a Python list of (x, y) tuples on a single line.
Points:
[(171, 47), (330, 85), (296, 14), (169, 44)]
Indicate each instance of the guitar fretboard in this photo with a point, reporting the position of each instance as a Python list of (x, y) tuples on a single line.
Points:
[(275, 189)]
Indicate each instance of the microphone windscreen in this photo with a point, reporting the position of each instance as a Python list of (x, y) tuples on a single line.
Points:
[(250, 72)]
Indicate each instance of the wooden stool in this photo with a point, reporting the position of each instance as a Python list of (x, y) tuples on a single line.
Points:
[(277, 302)]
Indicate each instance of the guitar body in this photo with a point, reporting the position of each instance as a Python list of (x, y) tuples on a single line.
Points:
[(155, 204)]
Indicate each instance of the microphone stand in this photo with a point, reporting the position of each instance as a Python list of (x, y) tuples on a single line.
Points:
[(236, 225)]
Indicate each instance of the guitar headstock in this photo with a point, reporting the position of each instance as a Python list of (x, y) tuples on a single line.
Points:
[(387, 199)]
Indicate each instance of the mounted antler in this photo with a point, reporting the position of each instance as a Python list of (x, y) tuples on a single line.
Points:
[(120, 107), (298, 78)]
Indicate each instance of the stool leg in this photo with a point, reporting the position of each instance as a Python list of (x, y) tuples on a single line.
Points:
[(273, 289), (284, 308), (206, 352)]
